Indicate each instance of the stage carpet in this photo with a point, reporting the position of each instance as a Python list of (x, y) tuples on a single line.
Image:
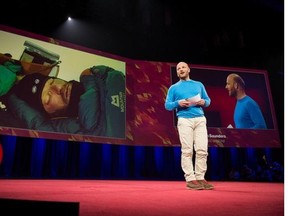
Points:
[(139, 198)]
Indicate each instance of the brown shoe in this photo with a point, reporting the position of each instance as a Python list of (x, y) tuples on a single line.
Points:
[(194, 185), (205, 184)]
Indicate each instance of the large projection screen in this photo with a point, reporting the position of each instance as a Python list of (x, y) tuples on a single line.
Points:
[(221, 126), (103, 100), (143, 119)]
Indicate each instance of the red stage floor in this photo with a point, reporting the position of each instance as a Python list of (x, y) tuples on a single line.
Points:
[(112, 197)]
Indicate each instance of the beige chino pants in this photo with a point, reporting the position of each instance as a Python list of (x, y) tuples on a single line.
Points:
[(194, 139)]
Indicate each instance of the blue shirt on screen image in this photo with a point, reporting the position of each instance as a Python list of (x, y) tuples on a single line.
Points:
[(247, 114)]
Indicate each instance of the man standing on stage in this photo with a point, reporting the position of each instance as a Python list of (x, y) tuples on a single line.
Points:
[(188, 97)]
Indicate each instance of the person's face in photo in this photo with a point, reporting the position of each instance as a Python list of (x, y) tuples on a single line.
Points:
[(56, 95), (230, 86)]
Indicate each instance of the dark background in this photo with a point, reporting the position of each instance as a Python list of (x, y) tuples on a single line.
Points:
[(235, 33)]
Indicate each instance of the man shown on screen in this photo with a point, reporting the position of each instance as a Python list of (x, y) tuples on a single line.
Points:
[(247, 113), (87, 107)]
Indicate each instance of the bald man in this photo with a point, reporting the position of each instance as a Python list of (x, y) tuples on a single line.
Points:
[(189, 97), (247, 113)]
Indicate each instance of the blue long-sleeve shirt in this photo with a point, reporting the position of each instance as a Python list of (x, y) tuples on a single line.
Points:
[(183, 90), (247, 114)]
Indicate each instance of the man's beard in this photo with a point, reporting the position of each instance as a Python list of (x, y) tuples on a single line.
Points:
[(233, 93), (76, 92)]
